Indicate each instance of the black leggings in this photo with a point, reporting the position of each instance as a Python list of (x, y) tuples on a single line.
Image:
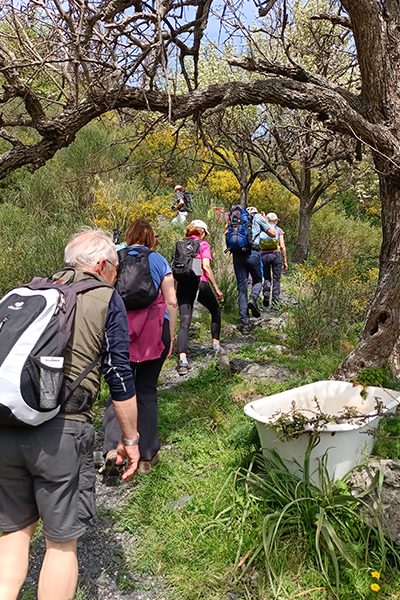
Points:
[(145, 375), (186, 295)]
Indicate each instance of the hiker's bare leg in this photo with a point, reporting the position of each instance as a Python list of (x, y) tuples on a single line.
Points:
[(14, 559), (59, 574)]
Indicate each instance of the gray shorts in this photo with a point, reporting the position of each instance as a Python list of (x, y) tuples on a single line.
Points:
[(48, 472)]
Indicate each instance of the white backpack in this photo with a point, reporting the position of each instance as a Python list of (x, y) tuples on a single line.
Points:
[(35, 326)]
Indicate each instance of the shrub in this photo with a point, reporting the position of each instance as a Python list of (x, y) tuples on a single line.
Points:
[(375, 377), (31, 246), (331, 299), (117, 204), (336, 237)]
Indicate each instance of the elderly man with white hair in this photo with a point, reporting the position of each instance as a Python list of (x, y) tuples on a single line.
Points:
[(47, 471)]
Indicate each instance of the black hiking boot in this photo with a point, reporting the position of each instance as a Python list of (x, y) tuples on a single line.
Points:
[(266, 301), (252, 305)]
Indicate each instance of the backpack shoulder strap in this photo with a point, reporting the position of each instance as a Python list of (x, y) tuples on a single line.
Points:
[(43, 283)]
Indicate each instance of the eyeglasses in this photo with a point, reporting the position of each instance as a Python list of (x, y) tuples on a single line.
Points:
[(118, 269)]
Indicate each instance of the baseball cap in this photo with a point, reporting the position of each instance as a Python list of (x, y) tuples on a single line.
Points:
[(251, 210), (200, 223), (272, 217), (178, 187)]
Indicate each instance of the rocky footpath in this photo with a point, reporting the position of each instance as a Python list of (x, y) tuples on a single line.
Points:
[(104, 553)]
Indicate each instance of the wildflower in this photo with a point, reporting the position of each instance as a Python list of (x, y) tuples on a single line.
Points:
[(376, 575), (375, 587)]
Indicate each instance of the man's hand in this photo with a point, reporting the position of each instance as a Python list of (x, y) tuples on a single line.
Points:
[(133, 455)]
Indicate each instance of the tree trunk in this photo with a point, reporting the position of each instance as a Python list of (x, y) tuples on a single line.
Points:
[(300, 251), (379, 341), (244, 193)]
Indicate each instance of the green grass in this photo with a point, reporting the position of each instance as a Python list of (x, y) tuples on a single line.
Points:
[(207, 436), (217, 541), (388, 438)]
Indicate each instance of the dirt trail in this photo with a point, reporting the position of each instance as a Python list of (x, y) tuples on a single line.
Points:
[(103, 552)]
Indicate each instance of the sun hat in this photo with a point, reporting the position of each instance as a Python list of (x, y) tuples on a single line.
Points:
[(251, 210), (178, 187), (272, 217), (200, 223)]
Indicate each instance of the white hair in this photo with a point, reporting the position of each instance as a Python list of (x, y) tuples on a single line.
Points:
[(87, 247)]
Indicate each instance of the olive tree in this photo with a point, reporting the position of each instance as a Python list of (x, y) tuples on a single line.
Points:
[(63, 64)]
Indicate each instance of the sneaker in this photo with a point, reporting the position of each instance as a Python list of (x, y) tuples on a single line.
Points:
[(266, 301), (145, 466), (182, 369), (110, 469), (220, 351), (252, 305)]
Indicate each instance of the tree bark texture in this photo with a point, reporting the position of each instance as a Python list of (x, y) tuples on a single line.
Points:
[(301, 248), (379, 340)]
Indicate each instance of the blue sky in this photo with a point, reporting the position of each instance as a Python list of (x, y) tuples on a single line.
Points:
[(214, 31)]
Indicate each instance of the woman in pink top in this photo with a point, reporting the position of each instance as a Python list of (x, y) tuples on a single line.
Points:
[(186, 295), (151, 331)]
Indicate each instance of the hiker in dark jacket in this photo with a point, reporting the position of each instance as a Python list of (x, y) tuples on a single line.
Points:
[(47, 471), (272, 262)]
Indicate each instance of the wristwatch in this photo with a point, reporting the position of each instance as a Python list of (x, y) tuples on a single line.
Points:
[(130, 442)]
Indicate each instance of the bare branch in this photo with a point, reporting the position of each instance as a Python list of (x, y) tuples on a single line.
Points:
[(334, 19)]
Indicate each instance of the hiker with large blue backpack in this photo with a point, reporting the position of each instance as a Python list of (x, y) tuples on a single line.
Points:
[(54, 332), (246, 257)]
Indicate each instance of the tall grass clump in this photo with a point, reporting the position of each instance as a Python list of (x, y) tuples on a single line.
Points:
[(31, 246), (331, 302), (325, 526)]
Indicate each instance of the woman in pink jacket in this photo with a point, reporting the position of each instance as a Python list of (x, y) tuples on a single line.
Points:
[(151, 332)]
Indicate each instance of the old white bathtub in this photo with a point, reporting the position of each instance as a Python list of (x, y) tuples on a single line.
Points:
[(346, 444)]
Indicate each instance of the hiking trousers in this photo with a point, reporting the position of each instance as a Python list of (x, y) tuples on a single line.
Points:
[(180, 217), (186, 295), (145, 375), (245, 264), (272, 262)]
